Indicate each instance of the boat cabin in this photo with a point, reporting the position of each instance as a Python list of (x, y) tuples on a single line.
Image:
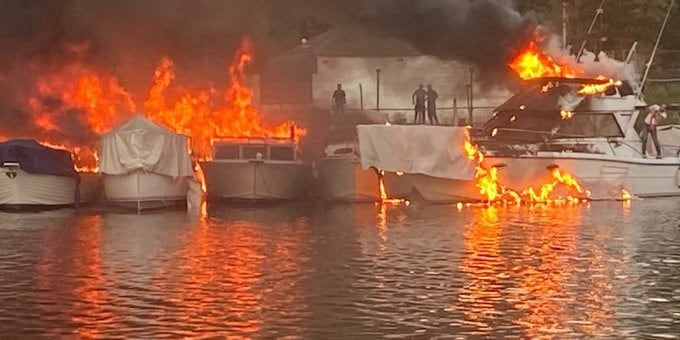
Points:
[(553, 109), (252, 149)]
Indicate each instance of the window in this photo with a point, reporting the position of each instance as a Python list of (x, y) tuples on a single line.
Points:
[(251, 152), (282, 153), (227, 152)]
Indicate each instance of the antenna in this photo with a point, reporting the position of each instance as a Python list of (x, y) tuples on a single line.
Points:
[(656, 45), (598, 11)]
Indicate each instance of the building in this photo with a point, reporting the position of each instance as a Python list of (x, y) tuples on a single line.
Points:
[(376, 72)]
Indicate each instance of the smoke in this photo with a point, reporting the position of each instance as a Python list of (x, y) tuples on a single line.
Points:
[(481, 32), (590, 65)]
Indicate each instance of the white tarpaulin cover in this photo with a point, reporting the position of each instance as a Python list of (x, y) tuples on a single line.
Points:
[(416, 149), (142, 144)]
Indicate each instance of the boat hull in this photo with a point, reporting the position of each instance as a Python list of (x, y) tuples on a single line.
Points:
[(256, 180), (444, 190), (603, 176), (144, 190), (22, 189), (343, 179)]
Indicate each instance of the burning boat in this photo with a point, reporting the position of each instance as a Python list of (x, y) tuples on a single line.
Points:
[(256, 169), (34, 175), (596, 141), (554, 127), (144, 165)]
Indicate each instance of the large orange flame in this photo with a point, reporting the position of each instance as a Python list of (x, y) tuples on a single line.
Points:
[(195, 114), (98, 102), (531, 62)]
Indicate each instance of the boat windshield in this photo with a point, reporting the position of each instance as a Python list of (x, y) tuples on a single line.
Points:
[(539, 126)]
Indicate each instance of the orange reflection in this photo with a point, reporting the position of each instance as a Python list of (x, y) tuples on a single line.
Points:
[(85, 278), (238, 275), (484, 264), (547, 282), (538, 276)]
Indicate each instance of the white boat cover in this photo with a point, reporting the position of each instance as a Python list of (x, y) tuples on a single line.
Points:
[(142, 144), (416, 149)]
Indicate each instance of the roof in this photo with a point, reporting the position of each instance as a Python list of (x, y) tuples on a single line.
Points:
[(352, 41)]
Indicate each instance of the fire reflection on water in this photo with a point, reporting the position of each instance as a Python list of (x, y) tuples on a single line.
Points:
[(86, 279), (483, 263), (538, 278), (222, 275)]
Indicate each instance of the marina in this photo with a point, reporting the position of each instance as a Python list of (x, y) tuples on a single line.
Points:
[(330, 169)]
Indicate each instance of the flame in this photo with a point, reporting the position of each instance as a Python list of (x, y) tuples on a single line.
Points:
[(487, 181), (384, 198), (195, 115), (591, 89), (531, 62), (625, 195), (73, 106), (566, 114)]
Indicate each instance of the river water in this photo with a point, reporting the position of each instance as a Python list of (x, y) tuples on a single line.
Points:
[(344, 271)]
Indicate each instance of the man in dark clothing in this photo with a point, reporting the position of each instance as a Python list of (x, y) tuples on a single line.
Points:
[(418, 98), (339, 100), (432, 96)]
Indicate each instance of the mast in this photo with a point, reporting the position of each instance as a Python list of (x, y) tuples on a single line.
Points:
[(656, 45), (598, 11)]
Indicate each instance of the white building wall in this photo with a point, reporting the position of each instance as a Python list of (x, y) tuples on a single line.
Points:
[(399, 77)]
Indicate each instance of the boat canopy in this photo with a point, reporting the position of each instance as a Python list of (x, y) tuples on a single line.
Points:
[(36, 158), (436, 151), (139, 143)]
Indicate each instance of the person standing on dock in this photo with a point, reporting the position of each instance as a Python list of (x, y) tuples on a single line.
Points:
[(432, 96), (339, 100), (418, 98), (655, 113)]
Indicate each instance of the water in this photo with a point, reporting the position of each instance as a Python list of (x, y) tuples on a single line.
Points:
[(344, 271)]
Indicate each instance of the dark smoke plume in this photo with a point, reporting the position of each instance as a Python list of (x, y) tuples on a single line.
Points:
[(481, 32)]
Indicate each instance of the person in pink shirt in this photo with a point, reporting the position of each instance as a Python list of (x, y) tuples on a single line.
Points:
[(655, 113)]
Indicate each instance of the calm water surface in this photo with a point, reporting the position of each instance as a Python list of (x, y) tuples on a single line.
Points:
[(344, 271)]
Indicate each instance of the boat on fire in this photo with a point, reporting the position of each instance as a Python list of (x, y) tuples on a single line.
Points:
[(36, 176), (144, 165), (550, 125), (256, 169)]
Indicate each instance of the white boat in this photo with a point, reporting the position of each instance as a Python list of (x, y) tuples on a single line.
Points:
[(548, 125), (144, 165), (36, 176), (343, 178), (255, 169)]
